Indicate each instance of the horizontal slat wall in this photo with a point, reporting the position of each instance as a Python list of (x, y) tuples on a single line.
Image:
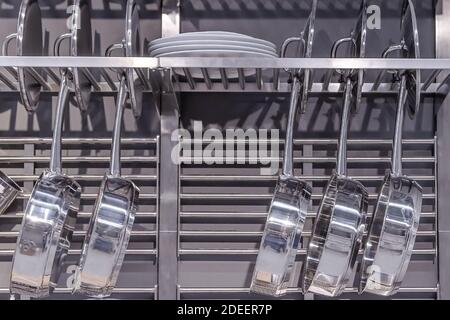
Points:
[(223, 210), (140, 163)]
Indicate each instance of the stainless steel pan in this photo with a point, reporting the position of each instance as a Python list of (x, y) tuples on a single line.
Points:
[(291, 198), (393, 229), (51, 212), (340, 222), (111, 223), (29, 42), (48, 222)]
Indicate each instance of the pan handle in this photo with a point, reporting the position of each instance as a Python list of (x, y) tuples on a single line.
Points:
[(55, 159), (397, 143), (112, 48), (336, 46), (285, 46), (5, 47), (394, 48), (341, 164), (6, 42), (288, 147), (120, 106), (58, 41)]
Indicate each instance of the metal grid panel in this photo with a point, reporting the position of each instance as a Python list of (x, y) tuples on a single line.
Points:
[(223, 210), (87, 159)]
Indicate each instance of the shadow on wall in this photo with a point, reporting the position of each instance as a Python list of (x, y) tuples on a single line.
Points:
[(375, 119), (110, 9)]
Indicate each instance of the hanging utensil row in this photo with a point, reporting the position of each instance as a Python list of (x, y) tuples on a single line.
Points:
[(341, 222), (49, 218)]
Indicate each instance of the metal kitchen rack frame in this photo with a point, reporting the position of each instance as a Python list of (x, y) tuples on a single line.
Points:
[(180, 216)]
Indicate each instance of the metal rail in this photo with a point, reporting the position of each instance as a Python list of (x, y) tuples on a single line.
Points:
[(224, 63), (191, 290)]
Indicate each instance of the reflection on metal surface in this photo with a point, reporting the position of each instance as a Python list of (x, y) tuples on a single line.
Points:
[(291, 198), (393, 230), (48, 223), (50, 215), (111, 223), (341, 219)]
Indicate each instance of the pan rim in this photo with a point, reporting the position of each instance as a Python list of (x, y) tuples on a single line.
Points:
[(312, 270), (304, 196), (89, 289), (406, 253), (44, 289), (29, 103)]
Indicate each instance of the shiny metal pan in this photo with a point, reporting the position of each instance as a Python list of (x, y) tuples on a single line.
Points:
[(341, 219), (393, 229), (292, 196), (113, 217)]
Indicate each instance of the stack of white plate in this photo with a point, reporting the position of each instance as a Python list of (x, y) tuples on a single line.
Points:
[(213, 44)]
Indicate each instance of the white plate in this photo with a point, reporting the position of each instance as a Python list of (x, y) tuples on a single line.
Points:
[(206, 48), (215, 73), (181, 42), (212, 36)]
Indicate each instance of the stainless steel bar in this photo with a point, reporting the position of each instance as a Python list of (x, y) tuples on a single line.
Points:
[(39, 78), (127, 141), (221, 178), (74, 141), (81, 233), (9, 84), (133, 159), (257, 234), (168, 199), (112, 85), (224, 78), (241, 78), (310, 159), (137, 177), (95, 84), (52, 75), (207, 79), (189, 78), (431, 78), (311, 63), (259, 79), (443, 190), (76, 159), (195, 62), (7, 252), (276, 80), (81, 215), (327, 81), (93, 196), (262, 215), (251, 252), (115, 290), (185, 290), (240, 196), (319, 141)]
